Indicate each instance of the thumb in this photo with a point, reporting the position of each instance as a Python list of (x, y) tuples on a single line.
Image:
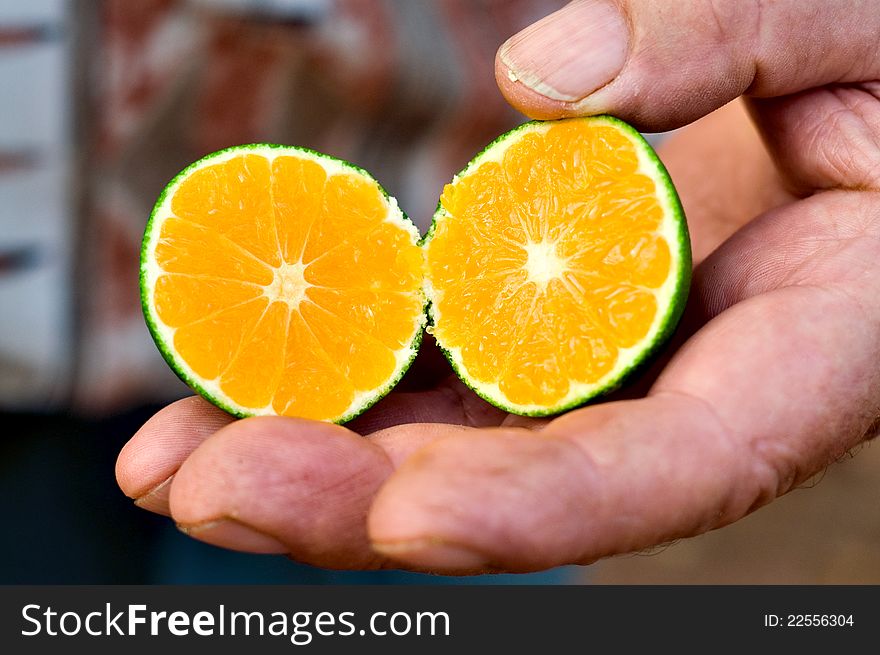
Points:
[(661, 65)]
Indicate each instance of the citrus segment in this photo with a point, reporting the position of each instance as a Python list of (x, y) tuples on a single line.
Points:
[(311, 385), (276, 280), (210, 344), (362, 359), (527, 173), (252, 376), (229, 199), (298, 190), (173, 291), (381, 259), (363, 309), (351, 207), (492, 339), (624, 313), (558, 261), (193, 249)]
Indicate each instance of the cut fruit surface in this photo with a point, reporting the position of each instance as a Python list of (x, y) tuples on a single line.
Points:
[(277, 280), (558, 262)]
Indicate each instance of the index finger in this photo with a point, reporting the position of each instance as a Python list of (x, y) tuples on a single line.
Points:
[(150, 459)]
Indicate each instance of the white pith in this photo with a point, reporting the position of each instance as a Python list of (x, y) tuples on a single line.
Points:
[(543, 265), (288, 285)]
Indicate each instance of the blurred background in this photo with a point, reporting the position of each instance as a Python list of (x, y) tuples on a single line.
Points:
[(101, 103)]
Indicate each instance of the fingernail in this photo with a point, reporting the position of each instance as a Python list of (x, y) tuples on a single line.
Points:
[(570, 53), (235, 535), (433, 555), (156, 499)]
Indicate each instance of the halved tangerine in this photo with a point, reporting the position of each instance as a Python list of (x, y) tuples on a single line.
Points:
[(557, 263), (278, 280)]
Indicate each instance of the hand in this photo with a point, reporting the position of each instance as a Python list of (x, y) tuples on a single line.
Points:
[(777, 375)]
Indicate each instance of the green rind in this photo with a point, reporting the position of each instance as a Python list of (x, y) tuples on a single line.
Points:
[(166, 350), (676, 304)]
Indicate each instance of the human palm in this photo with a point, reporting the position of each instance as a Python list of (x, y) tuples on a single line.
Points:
[(772, 376)]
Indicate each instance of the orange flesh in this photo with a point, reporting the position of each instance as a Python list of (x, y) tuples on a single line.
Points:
[(284, 286), (548, 262)]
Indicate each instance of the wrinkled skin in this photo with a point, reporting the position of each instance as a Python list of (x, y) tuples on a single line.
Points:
[(773, 375)]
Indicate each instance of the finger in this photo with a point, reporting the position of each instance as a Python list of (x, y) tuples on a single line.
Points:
[(524, 501), (620, 477), (827, 239), (769, 392), (147, 463), (661, 65), (723, 174), (824, 138), (283, 485), (399, 442)]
